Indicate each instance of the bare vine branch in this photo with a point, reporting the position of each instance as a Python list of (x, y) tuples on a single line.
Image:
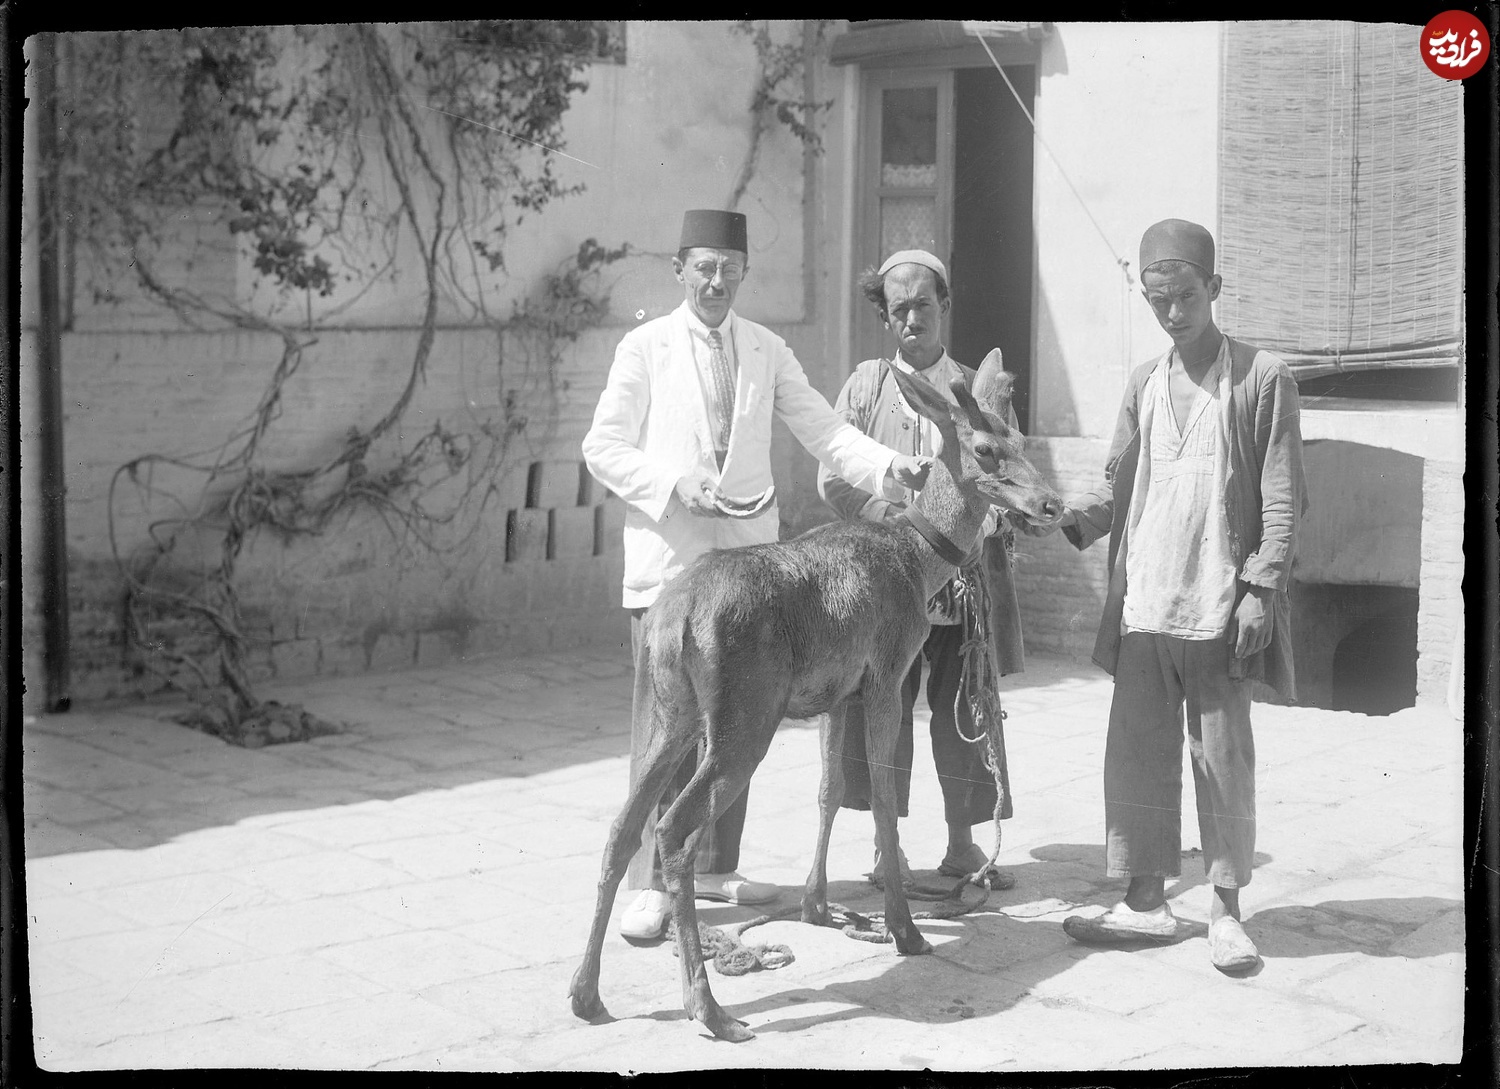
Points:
[(779, 95), (284, 161)]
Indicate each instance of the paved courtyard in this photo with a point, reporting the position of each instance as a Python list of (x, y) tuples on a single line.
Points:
[(414, 893)]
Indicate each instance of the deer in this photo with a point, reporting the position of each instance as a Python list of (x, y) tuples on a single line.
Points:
[(747, 637)]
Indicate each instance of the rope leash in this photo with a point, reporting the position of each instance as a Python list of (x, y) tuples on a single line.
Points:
[(979, 684), (732, 957)]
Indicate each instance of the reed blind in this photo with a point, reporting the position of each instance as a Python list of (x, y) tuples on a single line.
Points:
[(1341, 197)]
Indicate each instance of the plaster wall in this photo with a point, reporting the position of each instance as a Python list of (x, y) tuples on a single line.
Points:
[(1126, 116)]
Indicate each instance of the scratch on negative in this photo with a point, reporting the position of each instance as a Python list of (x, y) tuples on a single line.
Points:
[(173, 942), (1483, 800)]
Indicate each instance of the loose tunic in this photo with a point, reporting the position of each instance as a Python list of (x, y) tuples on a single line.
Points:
[(1265, 495)]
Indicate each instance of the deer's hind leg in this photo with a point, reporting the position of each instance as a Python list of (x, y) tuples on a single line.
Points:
[(830, 797), (664, 753), (722, 776)]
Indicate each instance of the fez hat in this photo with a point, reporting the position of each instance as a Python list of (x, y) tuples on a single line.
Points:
[(714, 229), (1178, 240), (914, 257)]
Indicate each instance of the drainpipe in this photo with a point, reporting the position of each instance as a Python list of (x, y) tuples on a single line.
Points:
[(52, 568)]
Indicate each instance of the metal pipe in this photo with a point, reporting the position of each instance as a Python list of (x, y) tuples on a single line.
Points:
[(52, 567)]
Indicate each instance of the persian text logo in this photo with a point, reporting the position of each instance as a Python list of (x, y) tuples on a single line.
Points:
[(1455, 45)]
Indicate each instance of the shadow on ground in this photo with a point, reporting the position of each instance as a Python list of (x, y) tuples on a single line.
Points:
[(1015, 943), (125, 775), (1387, 926)]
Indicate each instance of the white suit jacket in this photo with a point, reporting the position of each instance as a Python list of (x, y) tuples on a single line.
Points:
[(652, 427)]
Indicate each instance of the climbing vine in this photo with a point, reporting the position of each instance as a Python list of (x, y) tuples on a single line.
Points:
[(331, 154), (781, 94)]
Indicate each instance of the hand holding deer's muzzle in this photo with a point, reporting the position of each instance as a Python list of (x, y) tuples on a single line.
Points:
[(1032, 529)]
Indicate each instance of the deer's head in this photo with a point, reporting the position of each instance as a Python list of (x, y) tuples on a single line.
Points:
[(985, 456)]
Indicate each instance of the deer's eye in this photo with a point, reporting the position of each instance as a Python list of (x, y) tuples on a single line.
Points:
[(984, 451)]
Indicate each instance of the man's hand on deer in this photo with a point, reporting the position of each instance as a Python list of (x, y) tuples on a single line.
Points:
[(909, 471)]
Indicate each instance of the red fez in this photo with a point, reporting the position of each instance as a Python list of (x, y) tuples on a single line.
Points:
[(1178, 240), (714, 229)]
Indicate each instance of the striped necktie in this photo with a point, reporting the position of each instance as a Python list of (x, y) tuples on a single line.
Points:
[(723, 387)]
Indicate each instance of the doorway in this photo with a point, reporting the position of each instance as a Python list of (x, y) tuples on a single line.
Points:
[(947, 167)]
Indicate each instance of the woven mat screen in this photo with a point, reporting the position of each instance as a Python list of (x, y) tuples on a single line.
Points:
[(1341, 197)]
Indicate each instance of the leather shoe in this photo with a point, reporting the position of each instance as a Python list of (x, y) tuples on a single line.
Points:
[(731, 888), (1121, 924), (646, 917)]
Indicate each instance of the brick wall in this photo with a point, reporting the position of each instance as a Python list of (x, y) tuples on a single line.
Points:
[(1061, 589), (538, 567)]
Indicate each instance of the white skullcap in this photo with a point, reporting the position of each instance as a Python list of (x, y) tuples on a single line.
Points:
[(914, 257)]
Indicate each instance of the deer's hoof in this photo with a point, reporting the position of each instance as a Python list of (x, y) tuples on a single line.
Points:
[(912, 944), (816, 914), (728, 1028), (586, 1003)]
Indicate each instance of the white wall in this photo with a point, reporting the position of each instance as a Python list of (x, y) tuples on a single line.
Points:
[(1130, 111), (666, 131)]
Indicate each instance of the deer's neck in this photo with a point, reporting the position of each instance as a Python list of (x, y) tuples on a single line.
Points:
[(951, 513)]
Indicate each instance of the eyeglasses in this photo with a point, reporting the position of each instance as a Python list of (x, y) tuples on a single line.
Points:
[(729, 270)]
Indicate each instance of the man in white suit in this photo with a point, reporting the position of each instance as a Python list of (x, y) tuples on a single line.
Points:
[(685, 418)]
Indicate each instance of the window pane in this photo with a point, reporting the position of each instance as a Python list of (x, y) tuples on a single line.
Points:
[(908, 223), (908, 136)]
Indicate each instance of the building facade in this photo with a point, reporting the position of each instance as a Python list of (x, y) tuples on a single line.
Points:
[(1030, 156)]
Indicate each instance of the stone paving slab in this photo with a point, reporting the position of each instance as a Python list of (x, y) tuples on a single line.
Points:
[(414, 894)]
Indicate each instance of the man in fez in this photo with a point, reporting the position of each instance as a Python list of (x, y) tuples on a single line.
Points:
[(1203, 492), (684, 419)]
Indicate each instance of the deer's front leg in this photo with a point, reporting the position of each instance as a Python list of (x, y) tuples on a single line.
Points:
[(830, 797), (882, 721)]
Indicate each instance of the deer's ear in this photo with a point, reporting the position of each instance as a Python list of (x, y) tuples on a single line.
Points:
[(971, 407), (922, 397)]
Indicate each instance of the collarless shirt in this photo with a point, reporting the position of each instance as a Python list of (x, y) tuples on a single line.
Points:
[(1180, 569)]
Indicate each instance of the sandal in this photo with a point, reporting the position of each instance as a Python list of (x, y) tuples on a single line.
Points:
[(975, 861), (908, 882)]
